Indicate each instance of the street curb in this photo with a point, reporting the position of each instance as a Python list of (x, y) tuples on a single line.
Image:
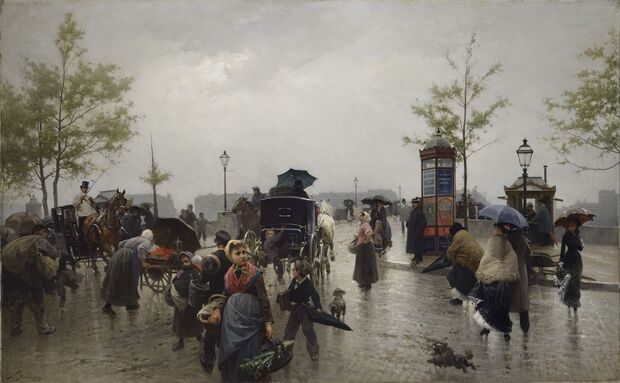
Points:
[(585, 285)]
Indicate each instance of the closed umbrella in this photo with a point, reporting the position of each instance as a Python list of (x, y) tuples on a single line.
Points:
[(439, 263), (321, 317)]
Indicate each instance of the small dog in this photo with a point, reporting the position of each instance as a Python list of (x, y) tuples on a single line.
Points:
[(338, 307), (444, 356)]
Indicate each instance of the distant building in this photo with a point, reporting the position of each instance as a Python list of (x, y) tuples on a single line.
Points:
[(605, 210)]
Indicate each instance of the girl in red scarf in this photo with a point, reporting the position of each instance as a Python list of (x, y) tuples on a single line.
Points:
[(245, 314)]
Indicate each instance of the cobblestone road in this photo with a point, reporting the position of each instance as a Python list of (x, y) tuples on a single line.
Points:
[(393, 324)]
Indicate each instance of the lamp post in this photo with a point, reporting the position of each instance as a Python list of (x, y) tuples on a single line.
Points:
[(355, 182), (525, 158), (224, 158)]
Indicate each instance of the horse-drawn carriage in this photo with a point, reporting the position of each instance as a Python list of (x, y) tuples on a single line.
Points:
[(67, 233)]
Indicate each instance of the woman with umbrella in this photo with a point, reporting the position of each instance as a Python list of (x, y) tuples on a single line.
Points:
[(492, 294), (570, 254)]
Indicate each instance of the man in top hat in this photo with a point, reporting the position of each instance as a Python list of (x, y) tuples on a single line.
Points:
[(84, 206), (415, 231), (214, 268)]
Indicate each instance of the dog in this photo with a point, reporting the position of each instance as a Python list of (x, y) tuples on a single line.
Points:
[(338, 307), (444, 356)]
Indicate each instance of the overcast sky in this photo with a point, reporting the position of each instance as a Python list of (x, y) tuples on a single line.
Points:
[(324, 86)]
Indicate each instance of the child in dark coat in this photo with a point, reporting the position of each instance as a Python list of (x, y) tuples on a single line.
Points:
[(301, 291)]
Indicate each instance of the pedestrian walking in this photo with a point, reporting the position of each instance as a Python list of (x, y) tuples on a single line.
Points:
[(301, 290), (184, 321), (379, 223), (190, 217), (365, 272), (465, 254), (120, 285), (415, 232), (544, 226), (520, 300), (245, 314), (214, 268), (498, 268), (572, 264), (403, 213), (201, 227), (275, 247)]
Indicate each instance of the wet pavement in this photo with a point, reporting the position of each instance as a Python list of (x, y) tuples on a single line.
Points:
[(393, 325)]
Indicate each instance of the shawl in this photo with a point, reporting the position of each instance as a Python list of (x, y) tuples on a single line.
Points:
[(239, 284), (364, 233), (499, 262), (465, 250)]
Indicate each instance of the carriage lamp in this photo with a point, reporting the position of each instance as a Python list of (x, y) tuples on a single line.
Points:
[(525, 153), (355, 182), (224, 158)]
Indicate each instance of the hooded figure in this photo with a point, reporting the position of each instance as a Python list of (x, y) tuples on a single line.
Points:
[(184, 322), (465, 254), (415, 231)]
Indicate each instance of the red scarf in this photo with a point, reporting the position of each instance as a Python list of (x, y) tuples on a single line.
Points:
[(236, 284)]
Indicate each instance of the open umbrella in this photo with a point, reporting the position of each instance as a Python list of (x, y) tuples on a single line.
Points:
[(574, 213), (22, 223), (378, 197), (504, 214), (321, 317), (439, 263), (289, 177), (167, 232), (348, 202)]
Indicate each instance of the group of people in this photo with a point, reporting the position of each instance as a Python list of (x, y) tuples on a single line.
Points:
[(199, 224)]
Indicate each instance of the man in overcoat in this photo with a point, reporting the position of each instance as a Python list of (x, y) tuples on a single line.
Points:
[(415, 232)]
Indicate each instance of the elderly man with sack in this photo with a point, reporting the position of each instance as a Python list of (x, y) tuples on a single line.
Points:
[(28, 269)]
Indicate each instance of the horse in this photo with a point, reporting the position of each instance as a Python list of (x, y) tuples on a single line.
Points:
[(326, 229), (247, 215), (102, 232)]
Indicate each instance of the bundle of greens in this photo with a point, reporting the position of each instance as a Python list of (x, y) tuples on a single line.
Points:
[(268, 358)]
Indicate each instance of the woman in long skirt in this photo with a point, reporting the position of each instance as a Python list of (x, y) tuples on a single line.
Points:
[(570, 260), (365, 272), (520, 301), (184, 322), (492, 294), (465, 254)]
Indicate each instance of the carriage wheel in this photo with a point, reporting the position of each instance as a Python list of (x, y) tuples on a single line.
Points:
[(157, 279), (250, 240)]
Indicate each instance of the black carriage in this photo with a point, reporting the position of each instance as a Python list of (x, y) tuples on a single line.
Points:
[(297, 216), (67, 232)]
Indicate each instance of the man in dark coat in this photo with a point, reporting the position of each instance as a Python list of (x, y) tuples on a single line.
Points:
[(415, 232), (214, 268)]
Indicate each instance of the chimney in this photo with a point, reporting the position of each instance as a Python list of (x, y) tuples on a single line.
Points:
[(545, 167)]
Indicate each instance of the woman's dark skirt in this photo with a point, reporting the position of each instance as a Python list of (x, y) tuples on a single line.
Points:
[(185, 324), (572, 294), (462, 279), (241, 335), (365, 271), (120, 285), (492, 303)]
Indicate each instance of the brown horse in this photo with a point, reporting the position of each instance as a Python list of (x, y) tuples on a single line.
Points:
[(102, 232), (248, 215)]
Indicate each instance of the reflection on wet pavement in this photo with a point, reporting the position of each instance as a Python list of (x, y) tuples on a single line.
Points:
[(392, 323)]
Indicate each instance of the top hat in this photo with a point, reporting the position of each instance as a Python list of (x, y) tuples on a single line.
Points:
[(84, 185)]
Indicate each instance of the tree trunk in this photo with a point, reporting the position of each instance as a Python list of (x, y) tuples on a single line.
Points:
[(44, 200), (465, 199), (55, 189), (155, 210)]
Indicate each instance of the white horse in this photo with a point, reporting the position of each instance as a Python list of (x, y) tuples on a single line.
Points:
[(326, 229)]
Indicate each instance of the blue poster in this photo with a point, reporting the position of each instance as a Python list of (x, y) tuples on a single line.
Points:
[(428, 180), (445, 182)]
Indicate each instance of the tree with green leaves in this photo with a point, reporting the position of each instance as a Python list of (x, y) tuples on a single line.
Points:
[(83, 103), (589, 116), (155, 177), (457, 112)]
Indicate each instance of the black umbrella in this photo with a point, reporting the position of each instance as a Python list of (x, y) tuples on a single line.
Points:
[(377, 198), (289, 177), (439, 263), (322, 317), (168, 231)]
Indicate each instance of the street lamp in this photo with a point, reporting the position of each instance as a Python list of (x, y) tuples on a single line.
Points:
[(224, 158), (525, 158), (355, 182)]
